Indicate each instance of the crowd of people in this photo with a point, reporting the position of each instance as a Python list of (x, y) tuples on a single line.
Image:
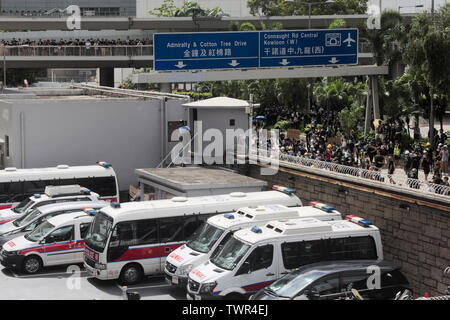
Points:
[(382, 156), (100, 47)]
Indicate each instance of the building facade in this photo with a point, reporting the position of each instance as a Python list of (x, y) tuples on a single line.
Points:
[(54, 7)]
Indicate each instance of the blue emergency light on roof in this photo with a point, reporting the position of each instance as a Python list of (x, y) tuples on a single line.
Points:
[(115, 204), (228, 216), (358, 220), (85, 190), (90, 211), (37, 195), (256, 230), (104, 164), (283, 189), (321, 206)]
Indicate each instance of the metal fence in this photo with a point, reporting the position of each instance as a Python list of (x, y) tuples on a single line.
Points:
[(74, 51), (380, 177)]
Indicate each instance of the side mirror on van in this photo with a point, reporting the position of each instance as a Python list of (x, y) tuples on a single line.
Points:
[(245, 268), (49, 239)]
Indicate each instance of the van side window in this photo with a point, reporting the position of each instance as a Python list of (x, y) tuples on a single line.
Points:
[(84, 227), (146, 232), (261, 257), (352, 248), (61, 234), (190, 225), (171, 229), (296, 254)]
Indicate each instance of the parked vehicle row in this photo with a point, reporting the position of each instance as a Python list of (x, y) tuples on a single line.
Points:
[(130, 240), (264, 245), (217, 230), (255, 257)]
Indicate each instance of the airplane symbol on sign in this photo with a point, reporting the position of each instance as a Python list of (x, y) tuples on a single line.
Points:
[(349, 40)]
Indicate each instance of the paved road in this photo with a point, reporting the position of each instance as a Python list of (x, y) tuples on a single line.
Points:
[(57, 284)]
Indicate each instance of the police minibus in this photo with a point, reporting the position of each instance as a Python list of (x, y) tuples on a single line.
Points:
[(17, 185), (130, 240), (52, 194), (218, 229), (56, 241), (255, 257)]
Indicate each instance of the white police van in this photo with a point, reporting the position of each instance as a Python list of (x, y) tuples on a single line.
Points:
[(218, 229), (255, 257), (36, 216), (51, 195), (56, 241)]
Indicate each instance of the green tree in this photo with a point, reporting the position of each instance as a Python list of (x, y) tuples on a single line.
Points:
[(338, 94), (382, 41), (426, 50), (351, 119), (300, 7), (338, 24), (188, 9)]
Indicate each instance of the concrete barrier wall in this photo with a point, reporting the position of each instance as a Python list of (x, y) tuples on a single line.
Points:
[(414, 231)]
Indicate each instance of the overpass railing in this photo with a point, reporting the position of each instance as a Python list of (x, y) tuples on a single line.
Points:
[(74, 51), (380, 177)]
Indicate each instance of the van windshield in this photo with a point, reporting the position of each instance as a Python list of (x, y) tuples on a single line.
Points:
[(204, 238), (23, 206), (24, 220), (40, 232), (99, 231), (230, 255)]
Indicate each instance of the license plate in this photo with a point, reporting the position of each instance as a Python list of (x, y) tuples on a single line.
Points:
[(175, 279), (197, 297)]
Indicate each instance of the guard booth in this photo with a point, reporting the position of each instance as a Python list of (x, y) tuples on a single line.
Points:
[(166, 183)]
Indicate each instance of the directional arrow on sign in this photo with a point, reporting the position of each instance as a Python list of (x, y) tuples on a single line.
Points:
[(284, 62), (234, 63), (333, 60), (180, 64)]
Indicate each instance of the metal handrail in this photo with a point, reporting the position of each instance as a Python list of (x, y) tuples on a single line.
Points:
[(374, 176), (70, 51)]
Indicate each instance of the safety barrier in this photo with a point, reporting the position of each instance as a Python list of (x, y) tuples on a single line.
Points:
[(380, 177), (73, 51)]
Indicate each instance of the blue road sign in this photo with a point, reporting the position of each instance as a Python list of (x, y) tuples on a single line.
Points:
[(233, 50), (208, 50), (308, 47)]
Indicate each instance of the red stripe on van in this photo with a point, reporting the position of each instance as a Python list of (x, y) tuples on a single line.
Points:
[(148, 252), (6, 221)]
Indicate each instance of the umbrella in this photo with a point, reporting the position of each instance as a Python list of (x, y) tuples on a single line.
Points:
[(260, 118)]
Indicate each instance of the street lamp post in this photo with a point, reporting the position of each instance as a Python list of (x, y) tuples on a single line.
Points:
[(431, 132)]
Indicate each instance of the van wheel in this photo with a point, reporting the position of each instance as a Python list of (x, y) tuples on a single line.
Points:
[(131, 274), (32, 264), (233, 296)]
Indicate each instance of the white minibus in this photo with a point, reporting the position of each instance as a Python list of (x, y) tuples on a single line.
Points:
[(17, 185)]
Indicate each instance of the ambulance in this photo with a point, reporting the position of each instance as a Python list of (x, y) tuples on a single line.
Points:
[(128, 241), (255, 257), (56, 241), (52, 194), (211, 236)]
